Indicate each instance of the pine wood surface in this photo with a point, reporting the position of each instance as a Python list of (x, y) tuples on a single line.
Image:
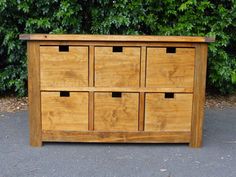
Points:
[(116, 137), (117, 69), (199, 95), (64, 113), (138, 38), (170, 69), (35, 123), (116, 113), (140, 72), (168, 114), (63, 70)]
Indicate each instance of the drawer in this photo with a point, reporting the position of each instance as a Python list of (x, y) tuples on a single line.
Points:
[(170, 67), (116, 111), (64, 111), (63, 67), (117, 66), (168, 112)]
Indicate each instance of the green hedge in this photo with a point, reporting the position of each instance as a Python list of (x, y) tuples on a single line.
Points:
[(170, 17)]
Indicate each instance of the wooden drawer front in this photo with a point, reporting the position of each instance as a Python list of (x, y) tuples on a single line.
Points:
[(170, 69), (117, 67), (61, 111), (114, 113), (62, 69), (168, 114)]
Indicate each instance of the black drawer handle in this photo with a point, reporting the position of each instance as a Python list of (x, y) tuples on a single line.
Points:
[(64, 94), (117, 49), (169, 95), (63, 48), (171, 50), (116, 94)]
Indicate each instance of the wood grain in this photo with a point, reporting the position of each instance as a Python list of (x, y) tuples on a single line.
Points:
[(199, 95), (116, 114), (138, 38), (170, 69), (35, 125), (117, 69), (143, 66), (128, 89), (117, 43), (64, 113), (143, 72), (117, 137), (63, 70), (91, 66), (91, 111), (168, 114)]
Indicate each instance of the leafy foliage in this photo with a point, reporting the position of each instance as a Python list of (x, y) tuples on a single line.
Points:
[(156, 17)]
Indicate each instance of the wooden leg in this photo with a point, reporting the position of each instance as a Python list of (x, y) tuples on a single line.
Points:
[(199, 95), (35, 124)]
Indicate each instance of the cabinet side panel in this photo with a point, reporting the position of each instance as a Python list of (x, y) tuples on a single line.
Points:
[(199, 95), (35, 126)]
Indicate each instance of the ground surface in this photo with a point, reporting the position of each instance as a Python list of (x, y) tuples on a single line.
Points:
[(217, 157), (13, 104)]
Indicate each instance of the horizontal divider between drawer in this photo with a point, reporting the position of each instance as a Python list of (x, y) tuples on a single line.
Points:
[(122, 89)]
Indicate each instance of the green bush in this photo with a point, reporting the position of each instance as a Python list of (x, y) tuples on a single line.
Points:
[(170, 17)]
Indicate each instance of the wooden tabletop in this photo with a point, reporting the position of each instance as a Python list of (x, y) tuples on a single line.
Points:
[(128, 38)]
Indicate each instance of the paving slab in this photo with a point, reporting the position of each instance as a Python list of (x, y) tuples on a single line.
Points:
[(217, 157)]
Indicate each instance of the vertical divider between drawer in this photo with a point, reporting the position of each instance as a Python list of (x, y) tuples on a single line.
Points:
[(142, 85), (143, 66), (91, 65), (141, 111), (91, 84), (91, 112)]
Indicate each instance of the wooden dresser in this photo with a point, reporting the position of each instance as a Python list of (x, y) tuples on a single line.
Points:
[(116, 88)]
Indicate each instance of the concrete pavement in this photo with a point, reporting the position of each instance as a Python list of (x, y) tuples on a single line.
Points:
[(217, 157)]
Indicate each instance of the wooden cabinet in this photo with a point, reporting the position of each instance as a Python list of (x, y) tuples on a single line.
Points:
[(111, 88)]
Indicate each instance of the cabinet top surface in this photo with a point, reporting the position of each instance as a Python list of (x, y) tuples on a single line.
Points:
[(118, 38)]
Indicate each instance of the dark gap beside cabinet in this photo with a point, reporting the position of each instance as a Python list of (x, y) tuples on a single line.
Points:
[(169, 95), (63, 48), (117, 49), (116, 94), (171, 50), (64, 94)]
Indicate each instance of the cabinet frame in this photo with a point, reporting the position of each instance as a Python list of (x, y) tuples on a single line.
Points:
[(194, 137)]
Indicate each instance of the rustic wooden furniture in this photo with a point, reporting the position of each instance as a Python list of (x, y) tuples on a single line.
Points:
[(116, 88)]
